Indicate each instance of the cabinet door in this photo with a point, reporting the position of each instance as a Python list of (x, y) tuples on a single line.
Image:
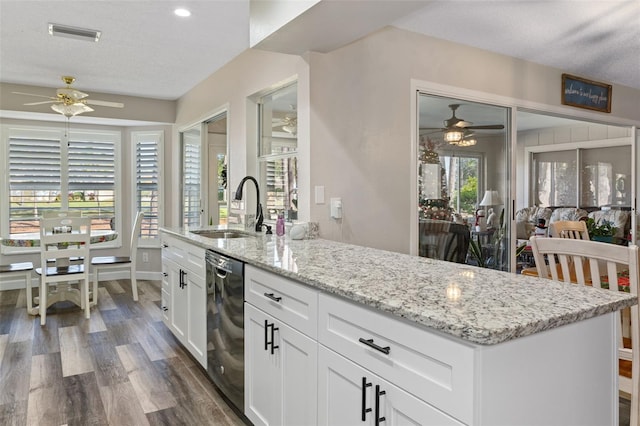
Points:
[(280, 372), (178, 313), (349, 394), (262, 390), (196, 317)]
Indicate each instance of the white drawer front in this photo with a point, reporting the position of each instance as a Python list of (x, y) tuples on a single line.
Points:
[(293, 303), (431, 367), (186, 255)]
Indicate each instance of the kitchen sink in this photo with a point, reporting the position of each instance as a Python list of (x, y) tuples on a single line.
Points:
[(222, 233)]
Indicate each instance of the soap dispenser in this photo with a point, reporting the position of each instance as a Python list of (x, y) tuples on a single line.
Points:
[(280, 225)]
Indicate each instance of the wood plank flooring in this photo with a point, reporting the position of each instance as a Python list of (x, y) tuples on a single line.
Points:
[(120, 367)]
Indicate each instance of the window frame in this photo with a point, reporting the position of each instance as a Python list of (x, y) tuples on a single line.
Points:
[(263, 159), (63, 136), (136, 137)]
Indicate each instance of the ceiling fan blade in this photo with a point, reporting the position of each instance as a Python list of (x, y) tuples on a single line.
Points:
[(103, 103), (33, 94), (487, 127), (462, 123), (40, 103)]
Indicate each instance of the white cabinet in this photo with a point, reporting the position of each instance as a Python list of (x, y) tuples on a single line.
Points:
[(432, 379), (280, 360), (349, 394), (184, 295)]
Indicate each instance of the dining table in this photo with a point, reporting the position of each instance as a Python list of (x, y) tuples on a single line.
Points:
[(32, 239), (63, 292)]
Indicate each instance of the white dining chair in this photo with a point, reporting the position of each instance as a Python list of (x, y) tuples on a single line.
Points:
[(101, 263), (21, 270), (605, 264), (64, 238)]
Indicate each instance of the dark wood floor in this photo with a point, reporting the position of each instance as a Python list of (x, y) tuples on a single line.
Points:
[(120, 367)]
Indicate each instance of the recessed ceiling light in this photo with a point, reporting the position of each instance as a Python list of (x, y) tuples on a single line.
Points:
[(182, 12)]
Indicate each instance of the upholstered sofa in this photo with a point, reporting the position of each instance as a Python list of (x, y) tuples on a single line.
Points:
[(527, 218), (621, 219)]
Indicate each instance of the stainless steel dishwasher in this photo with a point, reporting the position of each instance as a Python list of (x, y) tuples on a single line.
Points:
[(225, 326)]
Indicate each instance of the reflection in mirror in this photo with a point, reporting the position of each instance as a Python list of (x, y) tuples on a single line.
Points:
[(463, 152), (218, 171), (278, 153)]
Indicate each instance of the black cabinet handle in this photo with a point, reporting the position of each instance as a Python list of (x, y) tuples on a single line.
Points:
[(164, 308), (164, 274), (369, 342), (183, 282), (165, 246), (365, 410), (273, 297), (378, 419), (273, 330)]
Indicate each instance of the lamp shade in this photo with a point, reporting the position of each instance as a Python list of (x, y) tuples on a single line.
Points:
[(491, 198)]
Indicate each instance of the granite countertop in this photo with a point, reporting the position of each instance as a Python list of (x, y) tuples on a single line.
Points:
[(478, 305)]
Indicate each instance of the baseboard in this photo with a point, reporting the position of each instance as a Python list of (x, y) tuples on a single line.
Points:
[(16, 282)]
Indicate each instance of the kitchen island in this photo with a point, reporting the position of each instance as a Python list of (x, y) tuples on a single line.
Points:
[(441, 343)]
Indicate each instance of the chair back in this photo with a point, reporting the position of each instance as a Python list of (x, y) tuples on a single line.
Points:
[(62, 238), (573, 229), (608, 266), (135, 235), (433, 238)]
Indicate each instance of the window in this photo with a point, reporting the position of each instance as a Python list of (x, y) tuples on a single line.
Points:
[(277, 153), (50, 171), (461, 178), (598, 175), (555, 178), (147, 153)]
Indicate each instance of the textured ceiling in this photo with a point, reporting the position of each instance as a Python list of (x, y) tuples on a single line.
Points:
[(146, 51)]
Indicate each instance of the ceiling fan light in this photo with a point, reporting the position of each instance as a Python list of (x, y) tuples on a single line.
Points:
[(467, 142), (290, 129), (71, 110), (453, 136)]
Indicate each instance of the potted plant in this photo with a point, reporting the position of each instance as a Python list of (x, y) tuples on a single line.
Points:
[(602, 231)]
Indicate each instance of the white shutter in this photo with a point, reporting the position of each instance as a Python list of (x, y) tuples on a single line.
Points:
[(147, 178), (92, 180), (191, 181), (34, 181)]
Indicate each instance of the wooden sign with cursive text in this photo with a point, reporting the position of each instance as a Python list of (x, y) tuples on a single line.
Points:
[(583, 93)]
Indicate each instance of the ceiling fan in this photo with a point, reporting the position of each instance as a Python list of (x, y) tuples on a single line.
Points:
[(70, 102), (457, 131), (289, 123)]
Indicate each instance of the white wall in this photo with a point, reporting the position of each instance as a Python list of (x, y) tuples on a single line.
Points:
[(233, 86), (360, 122)]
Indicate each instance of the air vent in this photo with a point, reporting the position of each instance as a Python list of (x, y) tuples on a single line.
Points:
[(74, 32)]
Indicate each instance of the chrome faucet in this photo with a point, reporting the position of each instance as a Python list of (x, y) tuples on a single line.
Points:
[(259, 216)]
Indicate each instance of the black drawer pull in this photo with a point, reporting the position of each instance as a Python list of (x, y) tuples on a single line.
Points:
[(369, 342), (165, 246), (273, 297)]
